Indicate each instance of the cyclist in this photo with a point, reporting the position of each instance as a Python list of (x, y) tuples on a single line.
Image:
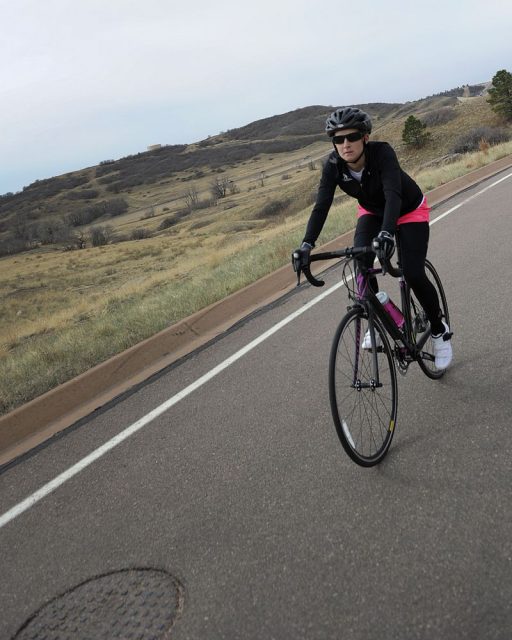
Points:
[(390, 203)]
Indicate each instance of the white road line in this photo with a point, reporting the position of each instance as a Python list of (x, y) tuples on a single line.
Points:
[(475, 195), (136, 426), (48, 488)]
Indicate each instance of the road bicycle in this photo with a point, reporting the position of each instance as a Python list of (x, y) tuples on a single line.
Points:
[(373, 340)]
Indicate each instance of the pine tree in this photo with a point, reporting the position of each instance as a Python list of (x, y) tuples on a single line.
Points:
[(414, 133), (500, 94)]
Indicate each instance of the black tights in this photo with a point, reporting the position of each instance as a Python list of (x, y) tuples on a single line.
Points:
[(413, 239)]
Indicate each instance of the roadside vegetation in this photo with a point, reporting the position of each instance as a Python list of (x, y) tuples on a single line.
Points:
[(89, 270)]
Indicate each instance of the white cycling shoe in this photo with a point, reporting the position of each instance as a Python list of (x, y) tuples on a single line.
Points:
[(367, 341), (443, 348)]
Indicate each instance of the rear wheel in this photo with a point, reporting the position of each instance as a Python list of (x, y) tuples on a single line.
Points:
[(420, 323), (362, 389)]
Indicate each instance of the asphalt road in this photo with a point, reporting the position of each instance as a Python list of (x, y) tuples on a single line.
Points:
[(242, 492)]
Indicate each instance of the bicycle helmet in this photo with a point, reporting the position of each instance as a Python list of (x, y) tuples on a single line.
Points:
[(348, 118)]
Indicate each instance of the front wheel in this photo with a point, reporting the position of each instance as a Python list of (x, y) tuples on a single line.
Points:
[(420, 323), (363, 389)]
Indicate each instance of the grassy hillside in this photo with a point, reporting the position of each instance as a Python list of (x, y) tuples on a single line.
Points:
[(161, 183), (165, 244)]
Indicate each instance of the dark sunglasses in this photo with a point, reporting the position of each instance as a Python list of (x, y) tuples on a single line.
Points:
[(351, 137)]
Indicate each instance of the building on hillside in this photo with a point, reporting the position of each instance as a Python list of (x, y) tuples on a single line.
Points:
[(154, 147), (485, 88), (477, 90)]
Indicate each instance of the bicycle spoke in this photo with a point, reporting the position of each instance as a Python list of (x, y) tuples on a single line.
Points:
[(420, 323), (364, 408)]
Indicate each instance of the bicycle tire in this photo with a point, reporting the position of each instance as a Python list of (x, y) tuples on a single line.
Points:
[(364, 417), (420, 322)]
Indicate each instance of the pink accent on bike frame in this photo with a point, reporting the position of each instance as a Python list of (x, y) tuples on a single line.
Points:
[(362, 281), (421, 214), (361, 285)]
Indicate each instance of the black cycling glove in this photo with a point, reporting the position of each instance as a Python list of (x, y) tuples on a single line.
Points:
[(384, 245), (303, 256)]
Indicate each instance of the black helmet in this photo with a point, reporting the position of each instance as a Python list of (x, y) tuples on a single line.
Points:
[(348, 118)]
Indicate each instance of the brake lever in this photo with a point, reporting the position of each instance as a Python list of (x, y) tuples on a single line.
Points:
[(383, 264), (307, 271), (296, 265)]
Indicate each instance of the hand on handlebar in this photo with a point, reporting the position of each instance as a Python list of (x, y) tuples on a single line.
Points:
[(300, 257), (384, 246), (301, 260)]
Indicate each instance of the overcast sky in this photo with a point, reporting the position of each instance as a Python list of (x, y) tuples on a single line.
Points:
[(88, 80)]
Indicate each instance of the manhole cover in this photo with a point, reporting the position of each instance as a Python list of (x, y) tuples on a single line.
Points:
[(138, 604)]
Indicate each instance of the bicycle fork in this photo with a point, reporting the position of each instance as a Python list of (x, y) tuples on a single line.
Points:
[(374, 382)]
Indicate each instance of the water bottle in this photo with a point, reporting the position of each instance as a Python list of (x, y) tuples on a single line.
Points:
[(391, 308)]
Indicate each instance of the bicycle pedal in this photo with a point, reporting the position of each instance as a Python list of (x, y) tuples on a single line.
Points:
[(403, 369)]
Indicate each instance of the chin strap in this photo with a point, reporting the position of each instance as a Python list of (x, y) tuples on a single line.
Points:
[(362, 154), (355, 161)]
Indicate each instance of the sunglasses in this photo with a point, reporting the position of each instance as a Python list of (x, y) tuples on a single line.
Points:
[(351, 137)]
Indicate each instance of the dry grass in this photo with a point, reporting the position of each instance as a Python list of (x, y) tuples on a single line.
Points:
[(104, 302), (430, 178), (64, 312)]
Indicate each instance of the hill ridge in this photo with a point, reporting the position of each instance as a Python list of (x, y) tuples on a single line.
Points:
[(164, 185)]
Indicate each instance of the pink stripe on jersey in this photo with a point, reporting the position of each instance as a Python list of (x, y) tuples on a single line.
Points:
[(421, 214)]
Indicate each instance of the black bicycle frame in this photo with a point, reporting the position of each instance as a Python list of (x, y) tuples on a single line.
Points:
[(368, 300), (374, 308)]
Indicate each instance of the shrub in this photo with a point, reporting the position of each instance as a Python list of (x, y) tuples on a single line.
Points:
[(101, 236), (201, 204), (200, 224), (471, 140), (115, 207), (176, 217), (119, 237), (108, 179), (414, 133), (54, 231), (83, 216), (484, 146), (52, 186), (438, 117), (170, 221), (125, 183), (11, 245), (500, 94), (274, 208), (140, 234), (84, 194), (219, 187)]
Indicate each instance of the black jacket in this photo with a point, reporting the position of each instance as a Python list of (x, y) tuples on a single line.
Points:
[(385, 189)]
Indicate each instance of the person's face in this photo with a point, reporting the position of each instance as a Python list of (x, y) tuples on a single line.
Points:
[(350, 151)]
